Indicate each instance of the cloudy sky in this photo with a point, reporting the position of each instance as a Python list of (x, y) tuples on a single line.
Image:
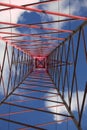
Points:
[(76, 7)]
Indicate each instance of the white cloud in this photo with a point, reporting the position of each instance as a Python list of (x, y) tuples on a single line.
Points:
[(74, 9), (13, 15), (9, 16), (63, 6), (62, 109), (5, 73), (6, 69), (84, 3)]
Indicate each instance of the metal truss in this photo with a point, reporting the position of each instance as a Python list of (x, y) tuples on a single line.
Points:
[(18, 64), (62, 64), (65, 60), (45, 43)]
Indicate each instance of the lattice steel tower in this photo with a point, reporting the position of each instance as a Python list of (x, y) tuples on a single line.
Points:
[(43, 67)]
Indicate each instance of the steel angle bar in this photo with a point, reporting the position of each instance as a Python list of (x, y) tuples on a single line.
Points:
[(34, 85), (64, 52), (27, 111), (20, 123), (37, 27), (15, 94), (49, 123), (20, 34), (83, 103), (43, 91), (37, 3), (50, 22), (43, 11), (37, 109)]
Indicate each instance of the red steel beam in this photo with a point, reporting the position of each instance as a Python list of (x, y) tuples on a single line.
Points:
[(20, 41), (34, 44), (39, 49), (26, 100), (31, 42), (20, 34), (48, 123), (9, 43), (36, 26), (42, 2), (37, 109), (37, 45), (43, 11), (2, 80), (16, 41), (6, 41), (53, 122), (34, 90), (24, 111), (32, 4)]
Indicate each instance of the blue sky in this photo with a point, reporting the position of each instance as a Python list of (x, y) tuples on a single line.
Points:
[(33, 17)]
